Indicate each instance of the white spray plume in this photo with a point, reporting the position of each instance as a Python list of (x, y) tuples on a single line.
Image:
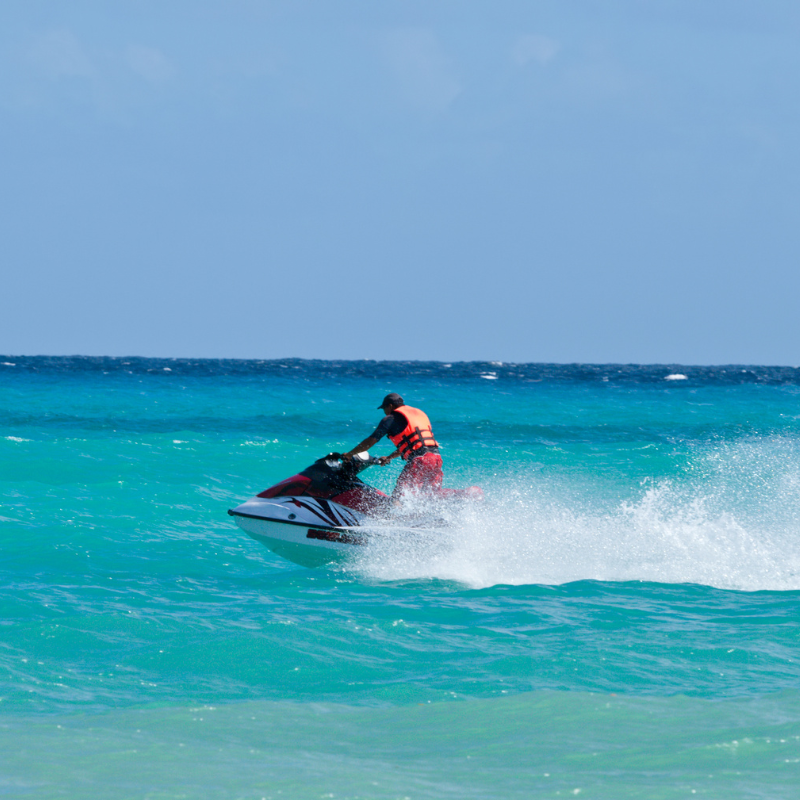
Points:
[(732, 521)]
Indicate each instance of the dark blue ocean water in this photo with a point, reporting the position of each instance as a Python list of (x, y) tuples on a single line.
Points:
[(619, 619)]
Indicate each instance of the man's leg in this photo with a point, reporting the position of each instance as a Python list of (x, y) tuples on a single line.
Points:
[(422, 474)]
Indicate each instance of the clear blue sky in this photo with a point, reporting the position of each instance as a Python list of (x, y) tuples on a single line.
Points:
[(519, 181)]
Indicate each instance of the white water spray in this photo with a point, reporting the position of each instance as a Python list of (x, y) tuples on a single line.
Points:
[(731, 521)]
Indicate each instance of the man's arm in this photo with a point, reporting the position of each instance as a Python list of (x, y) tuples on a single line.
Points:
[(384, 460), (360, 448)]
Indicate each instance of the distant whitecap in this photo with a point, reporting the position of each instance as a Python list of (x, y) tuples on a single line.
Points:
[(489, 376), (676, 376), (9, 364)]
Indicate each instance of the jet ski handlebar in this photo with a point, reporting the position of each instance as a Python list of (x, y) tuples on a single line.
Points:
[(357, 462)]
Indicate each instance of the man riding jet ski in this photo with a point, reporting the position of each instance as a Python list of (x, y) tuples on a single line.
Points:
[(410, 430), (326, 512)]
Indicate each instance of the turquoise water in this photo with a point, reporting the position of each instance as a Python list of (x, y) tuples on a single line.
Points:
[(619, 619)]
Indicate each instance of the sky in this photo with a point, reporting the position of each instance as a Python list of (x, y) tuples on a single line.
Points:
[(604, 181)]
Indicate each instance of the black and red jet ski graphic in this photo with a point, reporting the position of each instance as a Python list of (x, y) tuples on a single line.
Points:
[(324, 512)]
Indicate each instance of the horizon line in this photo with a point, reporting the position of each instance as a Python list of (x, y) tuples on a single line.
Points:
[(497, 362)]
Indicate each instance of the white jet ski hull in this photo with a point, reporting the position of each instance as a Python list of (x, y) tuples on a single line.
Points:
[(304, 530), (299, 545)]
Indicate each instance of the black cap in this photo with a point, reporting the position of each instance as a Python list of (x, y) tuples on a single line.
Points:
[(392, 398)]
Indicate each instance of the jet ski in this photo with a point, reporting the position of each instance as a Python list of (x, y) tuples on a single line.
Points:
[(327, 513)]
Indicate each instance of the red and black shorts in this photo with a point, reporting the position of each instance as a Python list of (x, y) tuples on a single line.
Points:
[(421, 474)]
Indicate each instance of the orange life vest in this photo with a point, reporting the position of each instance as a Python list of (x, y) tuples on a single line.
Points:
[(416, 435)]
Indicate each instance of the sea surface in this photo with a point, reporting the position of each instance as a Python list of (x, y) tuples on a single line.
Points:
[(618, 619)]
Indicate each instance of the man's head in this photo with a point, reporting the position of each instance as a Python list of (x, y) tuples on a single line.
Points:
[(391, 402)]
